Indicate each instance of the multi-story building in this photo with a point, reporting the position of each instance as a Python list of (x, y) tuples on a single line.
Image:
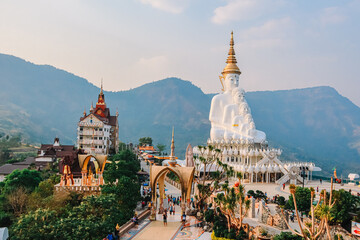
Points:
[(98, 131)]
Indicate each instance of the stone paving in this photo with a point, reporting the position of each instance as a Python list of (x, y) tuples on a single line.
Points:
[(157, 231), (191, 230)]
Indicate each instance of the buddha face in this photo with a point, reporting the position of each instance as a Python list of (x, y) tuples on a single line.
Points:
[(238, 95), (231, 81)]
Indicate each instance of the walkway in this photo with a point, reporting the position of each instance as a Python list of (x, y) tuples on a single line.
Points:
[(192, 230), (157, 231)]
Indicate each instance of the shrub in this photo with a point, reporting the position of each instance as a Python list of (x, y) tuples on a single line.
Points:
[(5, 219), (287, 236), (209, 216), (281, 201)]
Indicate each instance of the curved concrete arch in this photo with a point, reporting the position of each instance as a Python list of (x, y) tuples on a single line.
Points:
[(157, 175)]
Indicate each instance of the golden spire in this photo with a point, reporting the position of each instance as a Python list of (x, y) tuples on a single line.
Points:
[(172, 159), (231, 66), (92, 107), (84, 111)]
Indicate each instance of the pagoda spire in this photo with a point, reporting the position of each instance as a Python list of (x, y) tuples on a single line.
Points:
[(101, 99), (101, 90), (172, 158), (84, 111), (231, 66)]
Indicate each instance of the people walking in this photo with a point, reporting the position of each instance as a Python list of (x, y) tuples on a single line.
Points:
[(171, 208), (183, 218), (165, 218)]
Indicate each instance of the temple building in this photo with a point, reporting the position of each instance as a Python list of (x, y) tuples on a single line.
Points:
[(234, 132), (98, 131)]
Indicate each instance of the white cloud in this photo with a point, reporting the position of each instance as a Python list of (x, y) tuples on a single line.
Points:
[(172, 6), (332, 15), (236, 10)]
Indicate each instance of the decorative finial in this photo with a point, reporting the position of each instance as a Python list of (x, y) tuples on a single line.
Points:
[(101, 90), (231, 66), (92, 107), (117, 112), (172, 161), (84, 111)]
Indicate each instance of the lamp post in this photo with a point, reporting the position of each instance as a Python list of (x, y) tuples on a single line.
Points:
[(303, 174)]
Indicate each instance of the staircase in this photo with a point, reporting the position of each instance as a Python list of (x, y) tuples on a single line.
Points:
[(283, 179)]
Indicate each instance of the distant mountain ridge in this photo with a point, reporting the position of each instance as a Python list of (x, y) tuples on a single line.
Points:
[(313, 124)]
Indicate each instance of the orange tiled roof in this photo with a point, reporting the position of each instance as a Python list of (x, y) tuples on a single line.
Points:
[(147, 148)]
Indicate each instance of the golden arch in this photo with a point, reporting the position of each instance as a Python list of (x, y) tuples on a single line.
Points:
[(99, 168), (157, 175), (85, 158)]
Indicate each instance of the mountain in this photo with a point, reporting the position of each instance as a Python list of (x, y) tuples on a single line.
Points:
[(313, 124)]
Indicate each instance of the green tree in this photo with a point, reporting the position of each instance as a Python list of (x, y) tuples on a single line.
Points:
[(127, 192), (122, 146), (125, 163), (121, 179), (345, 203), (303, 200), (92, 219), (145, 141), (28, 179), (208, 182), (161, 148)]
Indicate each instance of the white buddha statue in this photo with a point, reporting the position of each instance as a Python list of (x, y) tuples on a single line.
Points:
[(230, 115)]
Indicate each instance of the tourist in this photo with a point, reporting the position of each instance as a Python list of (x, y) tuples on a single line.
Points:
[(135, 220), (292, 217), (320, 181), (283, 186), (171, 208), (142, 204), (317, 189), (165, 218), (183, 218)]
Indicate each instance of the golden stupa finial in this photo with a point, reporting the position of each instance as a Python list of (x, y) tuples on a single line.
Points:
[(231, 66), (84, 111), (172, 161), (92, 107)]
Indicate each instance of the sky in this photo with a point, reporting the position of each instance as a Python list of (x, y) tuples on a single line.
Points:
[(279, 44)]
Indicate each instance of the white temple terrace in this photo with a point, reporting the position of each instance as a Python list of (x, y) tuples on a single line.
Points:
[(234, 132)]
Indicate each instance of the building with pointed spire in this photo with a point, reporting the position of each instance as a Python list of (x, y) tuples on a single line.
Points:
[(98, 131)]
